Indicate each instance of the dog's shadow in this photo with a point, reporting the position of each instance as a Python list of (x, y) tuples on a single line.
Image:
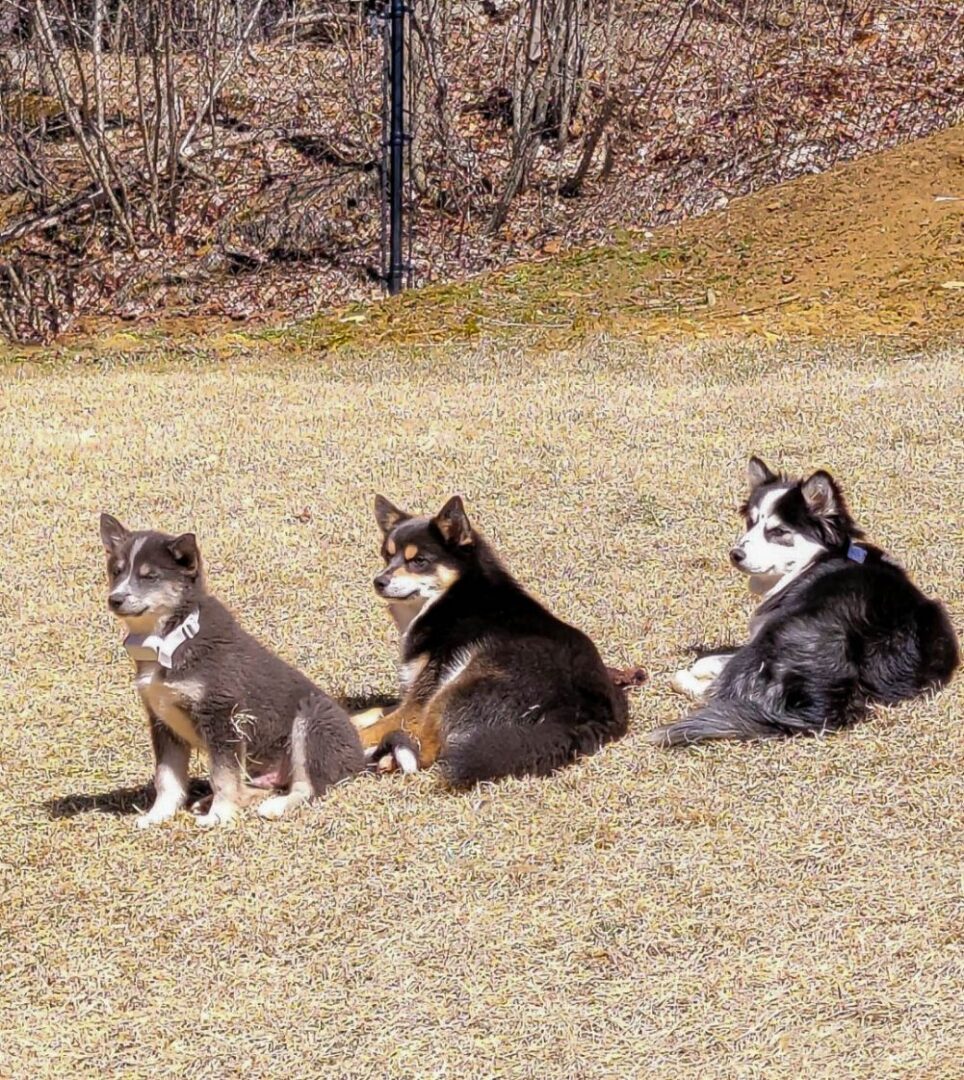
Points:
[(701, 650), (122, 802), (362, 702)]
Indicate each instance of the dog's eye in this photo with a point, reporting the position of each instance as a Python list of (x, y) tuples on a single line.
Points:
[(778, 533), (147, 574), (418, 563)]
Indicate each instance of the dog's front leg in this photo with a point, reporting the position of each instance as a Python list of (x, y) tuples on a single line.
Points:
[(172, 758), (373, 730), (226, 784)]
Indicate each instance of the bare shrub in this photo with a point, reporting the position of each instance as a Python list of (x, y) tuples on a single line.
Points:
[(141, 139)]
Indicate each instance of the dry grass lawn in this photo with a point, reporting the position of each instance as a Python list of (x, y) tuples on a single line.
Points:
[(788, 910)]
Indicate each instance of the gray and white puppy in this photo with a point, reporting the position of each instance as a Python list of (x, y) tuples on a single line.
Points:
[(206, 684)]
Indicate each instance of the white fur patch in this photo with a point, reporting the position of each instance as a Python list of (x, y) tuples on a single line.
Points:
[(365, 719), (406, 760), (170, 787), (131, 556), (410, 672), (461, 659), (695, 681)]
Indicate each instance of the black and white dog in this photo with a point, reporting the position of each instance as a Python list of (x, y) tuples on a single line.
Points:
[(841, 625)]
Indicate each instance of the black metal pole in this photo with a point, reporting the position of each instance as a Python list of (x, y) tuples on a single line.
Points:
[(396, 179)]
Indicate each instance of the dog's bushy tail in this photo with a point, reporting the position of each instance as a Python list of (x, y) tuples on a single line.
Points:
[(526, 749), (724, 718), (325, 737)]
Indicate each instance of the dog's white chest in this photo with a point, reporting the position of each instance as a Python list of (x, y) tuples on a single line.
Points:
[(166, 700)]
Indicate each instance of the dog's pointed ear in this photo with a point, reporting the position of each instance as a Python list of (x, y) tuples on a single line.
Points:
[(453, 523), (758, 472), (386, 515), (113, 535), (821, 494), (186, 553)]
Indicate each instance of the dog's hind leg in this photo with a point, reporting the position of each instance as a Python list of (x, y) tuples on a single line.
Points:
[(324, 750), (227, 788)]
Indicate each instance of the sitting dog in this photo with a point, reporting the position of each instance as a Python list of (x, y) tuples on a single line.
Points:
[(840, 627), (492, 684), (206, 684)]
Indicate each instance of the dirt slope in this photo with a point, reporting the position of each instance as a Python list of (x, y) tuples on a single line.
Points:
[(873, 247)]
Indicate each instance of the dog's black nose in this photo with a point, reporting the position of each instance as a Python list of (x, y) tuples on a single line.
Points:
[(737, 555), (381, 582), (115, 603)]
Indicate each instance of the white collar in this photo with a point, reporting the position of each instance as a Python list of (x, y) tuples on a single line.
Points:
[(162, 649)]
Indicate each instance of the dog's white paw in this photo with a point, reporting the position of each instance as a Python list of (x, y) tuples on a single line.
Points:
[(156, 815), (217, 815), (689, 686), (274, 808), (708, 667), (406, 760)]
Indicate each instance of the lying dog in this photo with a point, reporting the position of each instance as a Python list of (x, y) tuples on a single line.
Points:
[(206, 684), (492, 684), (841, 625)]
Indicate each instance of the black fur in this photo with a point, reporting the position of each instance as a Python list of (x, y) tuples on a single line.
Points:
[(536, 694), (839, 638)]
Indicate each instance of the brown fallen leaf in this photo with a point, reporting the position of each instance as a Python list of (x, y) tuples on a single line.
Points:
[(630, 678)]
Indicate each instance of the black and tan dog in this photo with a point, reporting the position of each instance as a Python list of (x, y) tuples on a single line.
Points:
[(208, 685), (492, 684)]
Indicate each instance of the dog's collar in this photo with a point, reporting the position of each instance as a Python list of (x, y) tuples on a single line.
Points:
[(162, 649), (855, 553)]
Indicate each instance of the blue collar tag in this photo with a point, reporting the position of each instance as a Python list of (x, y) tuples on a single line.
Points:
[(856, 553)]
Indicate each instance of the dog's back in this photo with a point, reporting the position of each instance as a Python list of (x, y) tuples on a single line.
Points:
[(546, 697), (837, 640)]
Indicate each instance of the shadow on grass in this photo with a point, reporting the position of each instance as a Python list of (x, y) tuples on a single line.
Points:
[(119, 802), (702, 649), (361, 702)]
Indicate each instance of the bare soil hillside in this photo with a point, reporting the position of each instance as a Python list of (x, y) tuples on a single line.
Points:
[(872, 247)]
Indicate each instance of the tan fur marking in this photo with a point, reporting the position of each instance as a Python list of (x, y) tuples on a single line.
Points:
[(365, 719), (401, 718), (166, 703), (424, 722), (410, 551), (447, 575), (391, 547)]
